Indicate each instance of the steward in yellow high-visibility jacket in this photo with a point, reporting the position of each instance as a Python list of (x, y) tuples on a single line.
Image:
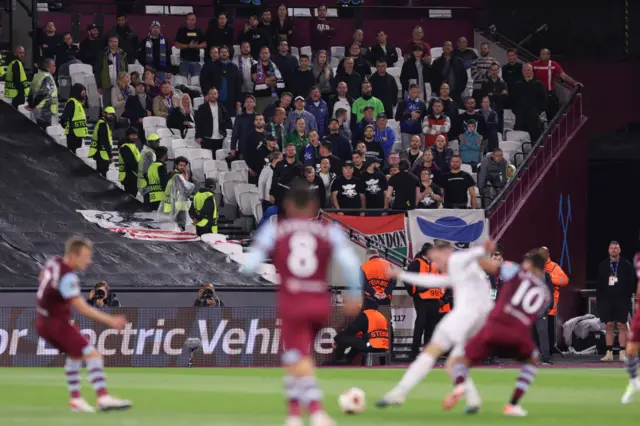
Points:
[(74, 119), (102, 141), (16, 84), (128, 159), (204, 211)]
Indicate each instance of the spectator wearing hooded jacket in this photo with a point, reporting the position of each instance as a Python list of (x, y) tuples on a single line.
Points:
[(154, 52), (341, 144), (441, 154), (436, 123), (219, 33), (317, 107), (492, 173), (410, 114), (470, 145), (384, 134)]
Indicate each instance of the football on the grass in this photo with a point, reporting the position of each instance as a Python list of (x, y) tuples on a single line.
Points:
[(352, 401)]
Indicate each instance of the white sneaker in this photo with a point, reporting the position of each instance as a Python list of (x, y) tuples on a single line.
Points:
[(321, 418), (514, 411), (632, 388), (294, 421), (79, 405), (392, 398), (108, 402), (622, 357)]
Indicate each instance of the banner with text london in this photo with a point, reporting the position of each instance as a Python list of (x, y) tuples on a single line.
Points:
[(386, 230), (156, 337)]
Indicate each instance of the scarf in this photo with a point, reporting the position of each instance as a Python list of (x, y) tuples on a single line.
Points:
[(148, 51), (271, 71), (169, 101), (223, 92), (108, 76)]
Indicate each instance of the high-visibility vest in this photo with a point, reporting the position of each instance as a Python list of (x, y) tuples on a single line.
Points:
[(10, 85), (432, 293), (180, 205), (378, 331), (53, 108), (93, 148), (375, 271), (559, 279), (3, 67), (142, 173), (156, 191), (122, 173), (79, 121), (198, 203)]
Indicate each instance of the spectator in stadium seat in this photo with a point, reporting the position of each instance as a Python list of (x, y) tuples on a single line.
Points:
[(220, 33), (417, 37), (265, 179), (302, 80), (480, 71), (322, 32), (135, 78), (347, 192), (49, 41), (150, 83), (426, 163), (212, 121), (102, 296), (492, 176), (154, 52), (285, 172), (139, 106), (255, 139), (262, 154), (384, 134), (470, 113), (243, 126), (547, 71), (287, 64), (91, 46), (384, 87), (225, 76), (415, 70), (374, 148), (291, 123), (360, 64), (267, 79), (105, 78), (166, 102), (409, 114), (326, 151), (315, 184), (357, 38), (358, 163), (266, 26), (496, 89), (442, 154), (341, 99), (284, 102), (299, 136), (470, 145), (492, 121), (256, 36), (367, 120), (343, 122), (375, 186), (341, 145), (434, 124), (67, 51), (323, 74), (383, 50), (190, 39), (276, 126), (512, 74), (73, 118), (245, 62), (406, 187), (121, 92), (182, 118), (317, 107), (360, 105), (352, 78), (430, 196), (530, 100), (414, 152), (456, 184), (465, 53), (327, 179), (449, 69), (127, 37), (450, 108)]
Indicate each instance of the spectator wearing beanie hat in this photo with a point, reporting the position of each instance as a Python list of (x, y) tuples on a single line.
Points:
[(154, 52)]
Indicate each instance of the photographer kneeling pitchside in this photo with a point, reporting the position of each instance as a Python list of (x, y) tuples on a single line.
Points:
[(102, 296), (207, 297)]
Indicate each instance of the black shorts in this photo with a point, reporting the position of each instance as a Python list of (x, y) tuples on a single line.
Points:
[(614, 310)]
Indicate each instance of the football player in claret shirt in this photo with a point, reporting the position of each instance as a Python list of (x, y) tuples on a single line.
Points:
[(633, 344), (59, 291), (302, 250)]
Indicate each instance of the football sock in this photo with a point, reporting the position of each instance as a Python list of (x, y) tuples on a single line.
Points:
[(95, 367), (459, 373), (631, 364), (72, 370), (609, 348), (525, 378), (417, 371), (292, 394), (310, 394)]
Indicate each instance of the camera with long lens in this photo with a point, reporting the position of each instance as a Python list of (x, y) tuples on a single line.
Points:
[(99, 294), (207, 294)]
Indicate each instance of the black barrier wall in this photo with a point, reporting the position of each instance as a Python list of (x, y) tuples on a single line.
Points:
[(155, 337)]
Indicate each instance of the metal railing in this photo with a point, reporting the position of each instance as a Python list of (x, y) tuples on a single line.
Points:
[(547, 148)]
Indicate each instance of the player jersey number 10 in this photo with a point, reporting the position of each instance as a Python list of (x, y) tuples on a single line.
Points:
[(529, 299), (303, 262)]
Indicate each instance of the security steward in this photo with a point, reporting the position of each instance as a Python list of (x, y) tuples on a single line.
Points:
[(74, 118), (377, 283), (204, 211), (16, 85), (368, 332), (430, 304), (102, 141), (128, 159), (157, 178), (147, 157)]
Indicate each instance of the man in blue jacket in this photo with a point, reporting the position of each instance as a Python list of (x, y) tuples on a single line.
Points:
[(319, 109)]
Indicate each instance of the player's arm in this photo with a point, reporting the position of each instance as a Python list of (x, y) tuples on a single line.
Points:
[(69, 288), (490, 266), (260, 249), (348, 263), (425, 280)]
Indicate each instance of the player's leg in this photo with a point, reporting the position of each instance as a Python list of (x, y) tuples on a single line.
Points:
[(631, 362), (97, 377), (72, 368), (526, 376)]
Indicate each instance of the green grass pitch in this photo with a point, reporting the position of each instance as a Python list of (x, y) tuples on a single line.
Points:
[(247, 397)]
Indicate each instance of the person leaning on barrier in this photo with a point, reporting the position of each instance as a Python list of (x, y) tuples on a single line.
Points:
[(102, 296), (203, 210), (207, 297), (377, 284)]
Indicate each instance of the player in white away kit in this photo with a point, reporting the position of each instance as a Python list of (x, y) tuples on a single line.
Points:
[(471, 289)]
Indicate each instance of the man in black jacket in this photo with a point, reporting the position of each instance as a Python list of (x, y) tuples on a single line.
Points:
[(225, 76), (496, 89), (138, 107), (127, 37), (255, 139), (102, 296), (615, 284), (341, 145), (529, 101), (243, 126), (302, 79), (207, 297), (91, 46), (67, 51), (220, 33), (206, 135), (154, 52), (287, 64), (256, 36), (470, 113), (384, 87), (383, 50), (450, 69)]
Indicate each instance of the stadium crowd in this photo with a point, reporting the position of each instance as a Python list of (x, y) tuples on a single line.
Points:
[(360, 138)]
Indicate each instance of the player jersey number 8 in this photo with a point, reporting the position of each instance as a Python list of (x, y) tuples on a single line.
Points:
[(530, 299), (302, 260)]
